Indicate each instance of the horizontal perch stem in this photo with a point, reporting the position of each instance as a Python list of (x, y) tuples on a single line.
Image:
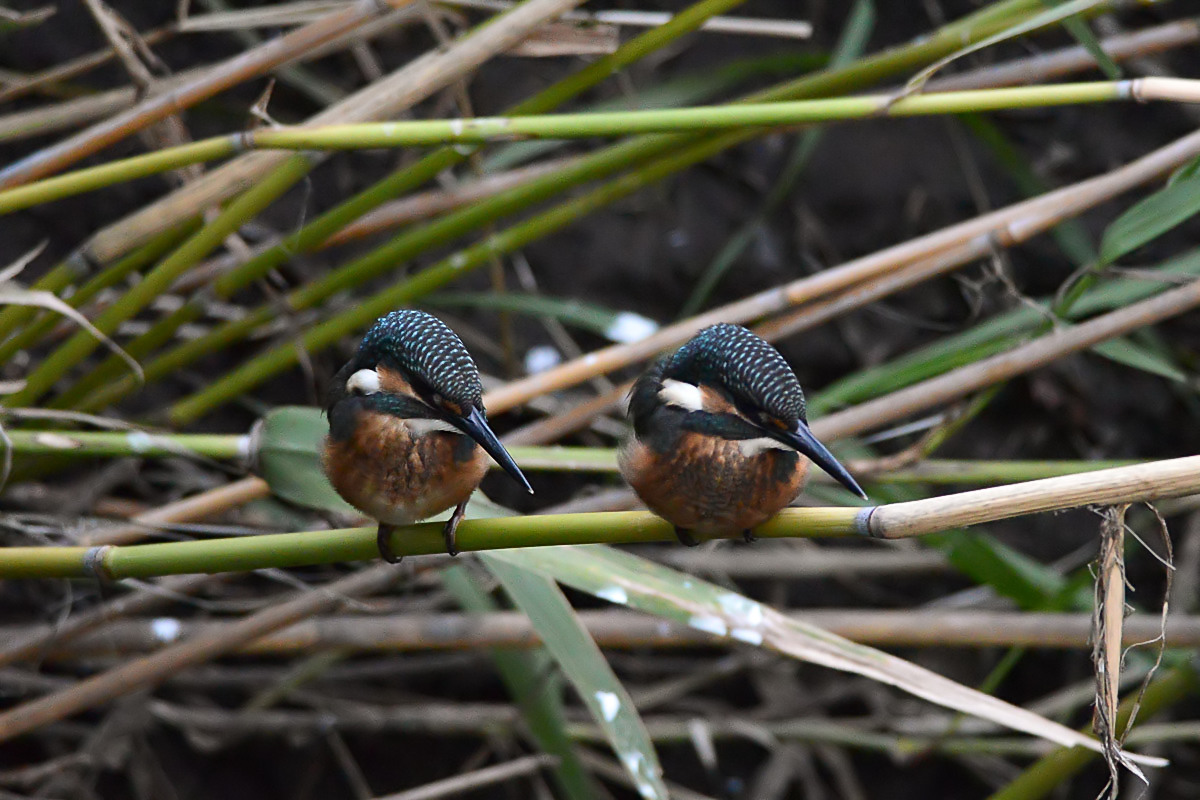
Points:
[(615, 123), (1143, 482)]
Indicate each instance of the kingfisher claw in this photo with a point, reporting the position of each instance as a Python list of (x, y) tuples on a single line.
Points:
[(685, 537), (451, 528), (383, 539)]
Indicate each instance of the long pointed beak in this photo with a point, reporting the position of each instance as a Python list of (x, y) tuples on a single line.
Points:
[(475, 425), (802, 439)]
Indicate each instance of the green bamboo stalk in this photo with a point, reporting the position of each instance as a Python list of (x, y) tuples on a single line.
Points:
[(35, 330), (159, 279), (118, 444), (315, 233), (71, 271), (1050, 771), (358, 544), (482, 130), (85, 180)]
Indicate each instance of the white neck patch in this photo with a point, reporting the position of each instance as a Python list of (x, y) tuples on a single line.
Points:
[(752, 447), (682, 395), (423, 425), (365, 381)]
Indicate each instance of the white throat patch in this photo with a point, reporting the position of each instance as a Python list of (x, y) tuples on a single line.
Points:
[(682, 395), (365, 381)]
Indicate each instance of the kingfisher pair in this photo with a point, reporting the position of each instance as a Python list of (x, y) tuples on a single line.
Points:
[(720, 441)]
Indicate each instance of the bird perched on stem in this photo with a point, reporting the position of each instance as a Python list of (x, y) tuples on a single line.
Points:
[(408, 435), (721, 443)]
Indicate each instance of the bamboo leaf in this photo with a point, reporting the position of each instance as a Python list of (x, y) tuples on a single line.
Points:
[(639, 583), (584, 665), (287, 456), (1162, 211), (536, 694), (1128, 353)]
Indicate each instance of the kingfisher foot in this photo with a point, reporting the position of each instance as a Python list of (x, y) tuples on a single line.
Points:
[(685, 537), (748, 536), (383, 540), (448, 532)]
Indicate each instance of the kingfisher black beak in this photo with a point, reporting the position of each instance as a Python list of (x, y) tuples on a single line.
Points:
[(475, 425), (802, 439)]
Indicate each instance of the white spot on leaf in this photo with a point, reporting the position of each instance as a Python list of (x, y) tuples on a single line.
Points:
[(748, 635), (609, 704), (613, 594), (709, 624), (746, 611)]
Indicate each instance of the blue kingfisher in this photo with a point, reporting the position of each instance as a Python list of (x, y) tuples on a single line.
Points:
[(408, 435), (721, 443)]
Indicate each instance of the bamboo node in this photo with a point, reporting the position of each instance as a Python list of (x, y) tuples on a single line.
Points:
[(862, 522), (94, 562), (1133, 89)]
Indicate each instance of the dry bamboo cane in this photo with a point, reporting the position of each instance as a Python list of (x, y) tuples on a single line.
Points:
[(156, 668), (1135, 484), (189, 509), (450, 631), (1013, 221), (216, 79)]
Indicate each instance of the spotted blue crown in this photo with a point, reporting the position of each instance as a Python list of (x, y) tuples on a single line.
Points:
[(427, 350), (743, 364)]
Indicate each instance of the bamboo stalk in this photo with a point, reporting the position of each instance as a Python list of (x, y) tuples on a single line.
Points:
[(29, 644), (383, 99), (617, 629), (485, 719), (158, 667), (1134, 484), (481, 130), (998, 368), (214, 80), (421, 207), (128, 443), (1142, 482), (189, 509)]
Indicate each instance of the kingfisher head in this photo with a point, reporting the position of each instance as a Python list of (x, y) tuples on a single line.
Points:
[(411, 365), (728, 382)]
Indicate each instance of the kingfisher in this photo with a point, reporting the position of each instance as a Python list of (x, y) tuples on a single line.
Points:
[(408, 434), (720, 438)]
